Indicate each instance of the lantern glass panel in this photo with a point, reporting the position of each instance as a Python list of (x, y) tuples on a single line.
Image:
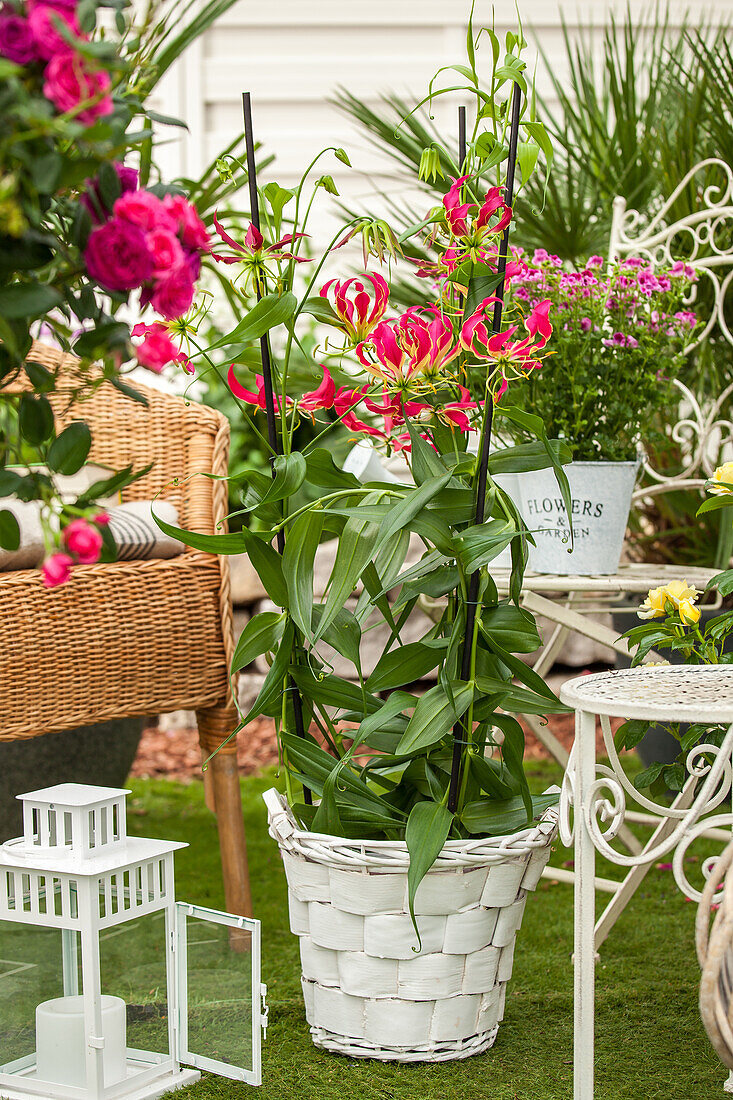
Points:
[(31, 972), (133, 966), (219, 992)]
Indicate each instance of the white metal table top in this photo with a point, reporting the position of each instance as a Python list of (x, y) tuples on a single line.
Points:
[(672, 693), (631, 577)]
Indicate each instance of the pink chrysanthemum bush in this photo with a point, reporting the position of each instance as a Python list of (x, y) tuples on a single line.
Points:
[(620, 330), (363, 755)]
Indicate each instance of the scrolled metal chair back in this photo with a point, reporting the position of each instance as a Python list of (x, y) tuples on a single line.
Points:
[(704, 240)]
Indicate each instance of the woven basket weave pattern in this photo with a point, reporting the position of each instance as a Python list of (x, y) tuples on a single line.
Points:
[(127, 638), (715, 955), (368, 991)]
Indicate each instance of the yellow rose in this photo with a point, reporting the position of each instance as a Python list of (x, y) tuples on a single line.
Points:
[(678, 593), (688, 612), (653, 606), (721, 479)]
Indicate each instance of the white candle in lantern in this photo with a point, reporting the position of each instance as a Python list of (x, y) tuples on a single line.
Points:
[(61, 1041)]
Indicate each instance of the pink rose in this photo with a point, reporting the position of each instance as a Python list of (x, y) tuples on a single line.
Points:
[(145, 210), (83, 541), (173, 295), (16, 40), (193, 263), (56, 570), (68, 82), (127, 176), (117, 256), (157, 349), (193, 230), (66, 7), (44, 23), (102, 519), (92, 198), (166, 250)]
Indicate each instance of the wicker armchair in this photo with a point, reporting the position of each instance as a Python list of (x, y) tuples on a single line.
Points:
[(715, 955), (135, 638)]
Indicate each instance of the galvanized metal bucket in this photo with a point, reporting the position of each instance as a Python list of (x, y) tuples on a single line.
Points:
[(601, 500)]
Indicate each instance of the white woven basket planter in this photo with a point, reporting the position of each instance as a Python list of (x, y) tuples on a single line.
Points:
[(369, 993)]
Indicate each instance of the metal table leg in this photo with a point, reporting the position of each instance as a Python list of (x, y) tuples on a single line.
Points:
[(585, 897)]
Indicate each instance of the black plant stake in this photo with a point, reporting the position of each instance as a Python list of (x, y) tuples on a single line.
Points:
[(460, 730), (267, 377)]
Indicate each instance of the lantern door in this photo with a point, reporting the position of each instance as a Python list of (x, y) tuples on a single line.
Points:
[(220, 1012)]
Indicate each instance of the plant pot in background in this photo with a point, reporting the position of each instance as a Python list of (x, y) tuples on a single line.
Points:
[(366, 463), (101, 755), (369, 993), (601, 500)]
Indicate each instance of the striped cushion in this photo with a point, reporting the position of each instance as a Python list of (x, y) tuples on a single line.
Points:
[(136, 533)]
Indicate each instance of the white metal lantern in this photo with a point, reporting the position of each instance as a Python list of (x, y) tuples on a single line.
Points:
[(77, 877)]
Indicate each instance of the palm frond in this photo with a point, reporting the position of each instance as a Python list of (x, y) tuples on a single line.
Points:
[(620, 125), (714, 56)]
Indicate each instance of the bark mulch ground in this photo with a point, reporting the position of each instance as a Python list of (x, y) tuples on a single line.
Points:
[(175, 754)]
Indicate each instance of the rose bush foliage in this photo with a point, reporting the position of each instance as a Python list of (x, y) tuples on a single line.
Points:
[(78, 239)]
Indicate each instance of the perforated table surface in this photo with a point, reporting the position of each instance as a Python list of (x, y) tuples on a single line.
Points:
[(666, 692)]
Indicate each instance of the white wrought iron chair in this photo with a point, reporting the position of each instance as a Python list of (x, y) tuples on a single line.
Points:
[(703, 239), (703, 432)]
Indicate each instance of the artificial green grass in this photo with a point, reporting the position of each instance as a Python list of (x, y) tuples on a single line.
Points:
[(649, 1040)]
